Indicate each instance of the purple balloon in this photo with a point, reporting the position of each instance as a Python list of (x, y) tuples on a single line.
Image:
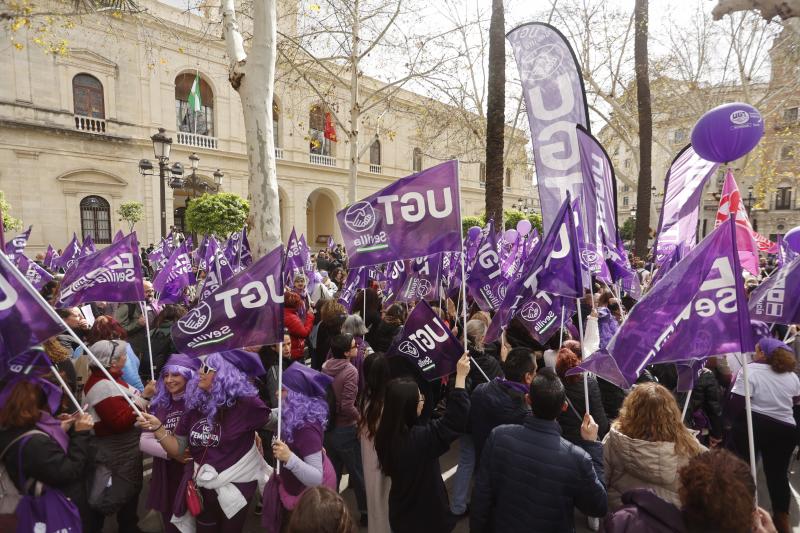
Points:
[(510, 235), (473, 232), (727, 132), (524, 227), (792, 238)]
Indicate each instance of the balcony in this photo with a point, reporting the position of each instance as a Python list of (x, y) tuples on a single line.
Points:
[(278, 153), (323, 160), (375, 169), (194, 139), (89, 124)]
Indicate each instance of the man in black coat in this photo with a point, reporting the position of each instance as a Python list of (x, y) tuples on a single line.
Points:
[(502, 401), (530, 478)]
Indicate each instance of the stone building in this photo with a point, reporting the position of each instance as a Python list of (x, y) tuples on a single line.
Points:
[(74, 127)]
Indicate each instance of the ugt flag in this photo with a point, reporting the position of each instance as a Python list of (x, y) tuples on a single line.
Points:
[(247, 310), (176, 275), (698, 310), (777, 299), (485, 282), (16, 246), (24, 321), (72, 253), (415, 216), (113, 274), (38, 276), (427, 343)]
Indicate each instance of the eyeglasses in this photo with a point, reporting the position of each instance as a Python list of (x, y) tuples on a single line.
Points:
[(205, 369)]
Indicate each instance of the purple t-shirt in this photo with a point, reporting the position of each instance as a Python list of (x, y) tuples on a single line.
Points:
[(307, 440), (167, 474), (229, 438)]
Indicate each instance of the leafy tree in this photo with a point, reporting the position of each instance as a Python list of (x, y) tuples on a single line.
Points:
[(131, 212), (468, 222), (219, 214), (9, 223), (628, 229), (510, 220)]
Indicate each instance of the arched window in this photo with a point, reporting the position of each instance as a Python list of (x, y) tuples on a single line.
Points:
[(96, 219), (275, 131), (319, 143), (87, 96), (416, 160), (199, 117), (375, 153)]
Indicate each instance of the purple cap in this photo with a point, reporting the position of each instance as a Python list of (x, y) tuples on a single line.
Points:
[(247, 362), (306, 381), (768, 345), (179, 359)]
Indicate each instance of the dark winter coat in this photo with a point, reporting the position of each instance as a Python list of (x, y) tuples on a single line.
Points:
[(494, 404), (571, 419), (531, 479), (706, 397), (612, 398), (487, 363), (380, 337), (644, 511)]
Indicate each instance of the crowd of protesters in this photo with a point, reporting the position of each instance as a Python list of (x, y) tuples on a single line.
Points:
[(530, 451)]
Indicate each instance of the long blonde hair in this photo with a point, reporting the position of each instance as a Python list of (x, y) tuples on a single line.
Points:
[(651, 413)]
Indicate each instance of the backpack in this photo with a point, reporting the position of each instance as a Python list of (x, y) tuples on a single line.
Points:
[(9, 494), (333, 407)]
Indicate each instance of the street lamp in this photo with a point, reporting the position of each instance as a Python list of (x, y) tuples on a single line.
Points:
[(194, 182), (749, 202)]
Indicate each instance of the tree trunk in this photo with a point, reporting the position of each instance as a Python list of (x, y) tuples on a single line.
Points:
[(495, 114), (645, 128), (355, 106), (253, 77)]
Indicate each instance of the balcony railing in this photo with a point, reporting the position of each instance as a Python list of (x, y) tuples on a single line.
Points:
[(194, 139), (89, 124), (375, 169), (324, 160), (278, 153)]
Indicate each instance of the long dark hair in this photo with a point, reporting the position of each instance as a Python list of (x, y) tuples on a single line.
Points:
[(376, 377), (399, 415)]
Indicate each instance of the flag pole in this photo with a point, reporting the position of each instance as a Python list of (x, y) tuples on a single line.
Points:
[(585, 374), (686, 405), (64, 386), (561, 334), (280, 398), (749, 414), (143, 307), (54, 316)]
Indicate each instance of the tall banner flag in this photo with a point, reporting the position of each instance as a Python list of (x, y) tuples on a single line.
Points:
[(556, 102), (485, 282), (23, 321), (731, 202), (777, 299), (247, 310), (113, 274), (38, 276), (16, 246), (698, 310), (176, 274), (683, 189), (555, 270), (428, 343), (415, 216)]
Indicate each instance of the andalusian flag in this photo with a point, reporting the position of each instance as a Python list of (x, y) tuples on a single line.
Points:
[(194, 101)]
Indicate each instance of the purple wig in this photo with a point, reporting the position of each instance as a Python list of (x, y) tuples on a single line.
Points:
[(229, 384), (300, 410), (163, 398)]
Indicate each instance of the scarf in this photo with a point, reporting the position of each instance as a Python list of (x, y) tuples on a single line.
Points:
[(516, 385)]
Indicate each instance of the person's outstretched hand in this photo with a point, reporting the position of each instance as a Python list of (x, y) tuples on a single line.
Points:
[(589, 428)]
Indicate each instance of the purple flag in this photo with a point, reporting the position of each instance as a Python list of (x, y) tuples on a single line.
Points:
[(555, 270), (598, 197), (698, 310), (683, 189), (541, 315), (485, 282), (245, 257), (176, 275), (785, 253), (113, 274), (219, 269), (396, 273), (35, 274), (71, 254), (331, 244), (555, 100), (88, 246), (356, 279), (24, 322), (427, 343), (592, 263), (422, 282), (49, 257), (118, 236), (777, 299), (160, 255), (16, 246), (415, 216), (673, 258), (294, 259), (247, 310), (199, 254), (305, 257)]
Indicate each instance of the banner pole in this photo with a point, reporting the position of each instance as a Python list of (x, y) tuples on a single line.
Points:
[(686, 405), (561, 333), (749, 414), (280, 399), (53, 315), (143, 307), (68, 392), (585, 374)]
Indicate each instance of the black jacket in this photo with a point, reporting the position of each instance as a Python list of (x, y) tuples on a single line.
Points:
[(380, 337), (706, 397), (570, 421), (612, 398), (531, 479), (487, 363), (494, 404), (418, 500)]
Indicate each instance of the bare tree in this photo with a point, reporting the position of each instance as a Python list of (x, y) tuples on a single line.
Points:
[(495, 113), (769, 9), (645, 127)]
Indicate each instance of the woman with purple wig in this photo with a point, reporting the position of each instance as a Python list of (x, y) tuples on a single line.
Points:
[(223, 412), (304, 463), (168, 405)]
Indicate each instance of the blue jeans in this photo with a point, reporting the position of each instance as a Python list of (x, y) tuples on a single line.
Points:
[(463, 476), (344, 451)]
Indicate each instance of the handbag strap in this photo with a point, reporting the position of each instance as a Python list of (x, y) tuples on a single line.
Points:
[(19, 438), (23, 481)]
